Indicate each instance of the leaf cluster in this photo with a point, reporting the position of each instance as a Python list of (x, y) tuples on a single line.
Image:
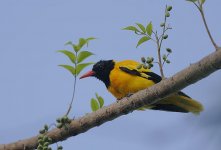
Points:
[(146, 32), (147, 63), (63, 122), (43, 140), (97, 103), (165, 56), (77, 56)]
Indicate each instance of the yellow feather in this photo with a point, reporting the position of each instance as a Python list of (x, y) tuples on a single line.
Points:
[(123, 83)]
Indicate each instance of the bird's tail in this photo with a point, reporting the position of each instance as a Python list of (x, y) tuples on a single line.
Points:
[(179, 102)]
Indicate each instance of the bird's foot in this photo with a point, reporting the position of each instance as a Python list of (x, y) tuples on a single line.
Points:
[(129, 94)]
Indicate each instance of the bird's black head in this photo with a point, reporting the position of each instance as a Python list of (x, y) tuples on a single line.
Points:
[(101, 70)]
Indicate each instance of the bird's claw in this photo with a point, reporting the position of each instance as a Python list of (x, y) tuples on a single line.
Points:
[(129, 94)]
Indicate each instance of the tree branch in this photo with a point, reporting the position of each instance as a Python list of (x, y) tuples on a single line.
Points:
[(200, 8), (207, 29), (182, 79)]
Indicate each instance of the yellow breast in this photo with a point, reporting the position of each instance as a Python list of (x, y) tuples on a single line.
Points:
[(122, 83)]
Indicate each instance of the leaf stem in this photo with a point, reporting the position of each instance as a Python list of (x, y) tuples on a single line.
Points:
[(207, 28), (159, 44), (159, 59), (139, 33), (75, 83), (200, 8)]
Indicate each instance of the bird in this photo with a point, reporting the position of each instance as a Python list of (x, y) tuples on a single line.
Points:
[(123, 78)]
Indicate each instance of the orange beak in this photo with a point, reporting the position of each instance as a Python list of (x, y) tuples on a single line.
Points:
[(88, 74)]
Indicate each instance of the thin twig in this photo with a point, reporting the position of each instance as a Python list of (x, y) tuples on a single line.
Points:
[(140, 33), (207, 28), (160, 61), (159, 44), (196, 5), (70, 106), (155, 33), (73, 95), (200, 8), (164, 32), (159, 56), (164, 29)]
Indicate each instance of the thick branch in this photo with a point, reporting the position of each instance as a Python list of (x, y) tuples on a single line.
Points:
[(182, 79)]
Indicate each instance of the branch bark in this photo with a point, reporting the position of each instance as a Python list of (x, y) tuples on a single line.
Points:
[(180, 80)]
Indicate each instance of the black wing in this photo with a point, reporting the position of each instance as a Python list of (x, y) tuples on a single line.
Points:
[(151, 75)]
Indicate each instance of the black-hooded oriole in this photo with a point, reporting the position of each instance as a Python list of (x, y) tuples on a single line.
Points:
[(123, 78)]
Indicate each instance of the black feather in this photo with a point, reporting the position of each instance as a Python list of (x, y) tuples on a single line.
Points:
[(132, 72), (102, 70), (183, 94), (153, 76), (169, 107)]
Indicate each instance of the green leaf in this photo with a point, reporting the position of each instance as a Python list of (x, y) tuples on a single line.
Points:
[(168, 61), (76, 48), (142, 40), (167, 14), (132, 28), (68, 43), (89, 39), (169, 50), (202, 2), (82, 42), (169, 8), (165, 36), (83, 55), (80, 67), (164, 57), (70, 55), (149, 29), (100, 100), (191, 1), (162, 24), (141, 27), (69, 68), (94, 104)]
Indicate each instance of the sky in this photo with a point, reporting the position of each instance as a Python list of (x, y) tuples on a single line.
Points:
[(35, 90)]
